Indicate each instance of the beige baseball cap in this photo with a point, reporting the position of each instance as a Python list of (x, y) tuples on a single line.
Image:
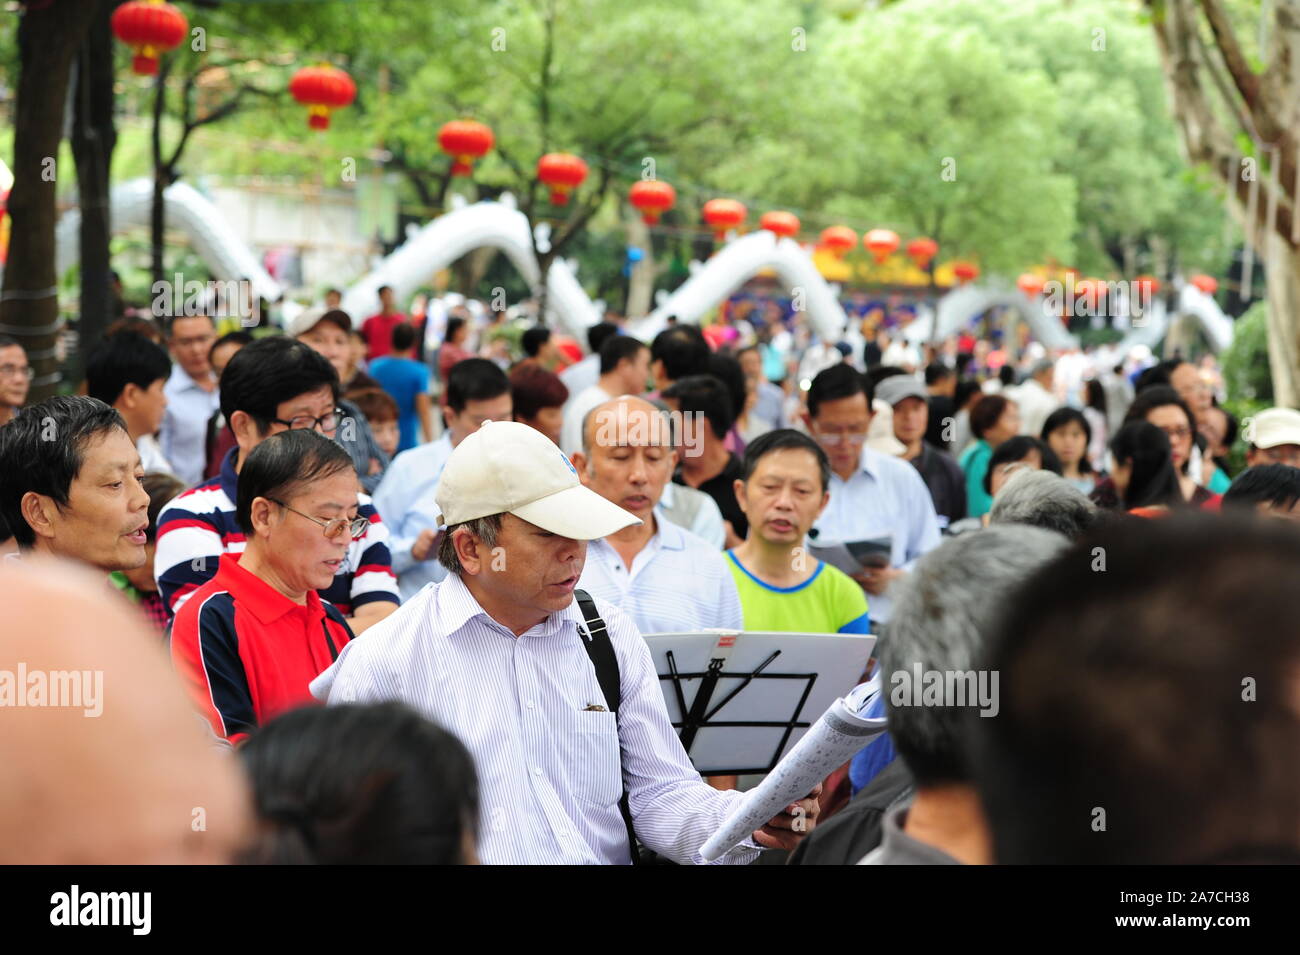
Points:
[(1276, 426), (508, 467)]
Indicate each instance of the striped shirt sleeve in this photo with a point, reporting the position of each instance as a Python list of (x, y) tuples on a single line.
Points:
[(373, 579), (188, 550), (205, 652)]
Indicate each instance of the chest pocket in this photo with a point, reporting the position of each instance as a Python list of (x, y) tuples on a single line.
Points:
[(592, 743)]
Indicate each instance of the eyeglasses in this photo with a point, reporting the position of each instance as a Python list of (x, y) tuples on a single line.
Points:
[(198, 341), (1182, 431), (1282, 454), (834, 440), (356, 526), (326, 422), (15, 371)]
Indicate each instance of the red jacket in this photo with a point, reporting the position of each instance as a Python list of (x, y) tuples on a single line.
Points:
[(245, 652)]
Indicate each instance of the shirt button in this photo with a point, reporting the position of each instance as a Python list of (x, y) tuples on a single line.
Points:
[(537, 770)]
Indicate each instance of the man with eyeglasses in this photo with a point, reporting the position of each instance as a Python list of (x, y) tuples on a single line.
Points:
[(273, 385), (15, 378), (250, 641), (872, 495), (192, 396)]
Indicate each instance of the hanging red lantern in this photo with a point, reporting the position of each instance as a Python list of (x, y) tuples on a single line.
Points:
[(839, 239), (1147, 286), (321, 89), (724, 215), (881, 243), (653, 197), (150, 28), (465, 141), (965, 271), (922, 250), (1032, 285), (1206, 283), (562, 173), (780, 223)]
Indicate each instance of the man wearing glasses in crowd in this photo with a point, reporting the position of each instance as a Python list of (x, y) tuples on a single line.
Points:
[(249, 642), (191, 396), (15, 378), (273, 385)]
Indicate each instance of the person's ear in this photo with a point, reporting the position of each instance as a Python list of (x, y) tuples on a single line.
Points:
[(130, 396), (581, 463), (468, 551), (247, 433), (40, 513), (807, 420), (742, 497), (259, 514), (826, 499)]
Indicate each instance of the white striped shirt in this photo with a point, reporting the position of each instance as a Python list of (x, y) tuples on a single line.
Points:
[(678, 582), (548, 768)]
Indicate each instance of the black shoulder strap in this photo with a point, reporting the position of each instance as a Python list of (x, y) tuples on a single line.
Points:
[(601, 651)]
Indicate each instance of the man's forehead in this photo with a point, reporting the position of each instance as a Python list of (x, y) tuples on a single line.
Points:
[(310, 398), (12, 352), (109, 450), (788, 464)]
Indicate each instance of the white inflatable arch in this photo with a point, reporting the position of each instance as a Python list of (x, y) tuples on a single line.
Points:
[(1193, 303), (733, 265), (225, 254), (497, 225), (965, 302)]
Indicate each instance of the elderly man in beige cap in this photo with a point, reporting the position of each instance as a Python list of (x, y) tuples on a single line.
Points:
[(1273, 437), (558, 700)]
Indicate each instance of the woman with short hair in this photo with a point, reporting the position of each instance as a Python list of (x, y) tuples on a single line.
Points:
[(994, 419)]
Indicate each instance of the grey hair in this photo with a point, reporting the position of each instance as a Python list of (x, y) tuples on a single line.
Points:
[(604, 408), (945, 612), (1046, 500), (485, 529)]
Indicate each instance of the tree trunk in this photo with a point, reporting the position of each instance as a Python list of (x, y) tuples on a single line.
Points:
[(1283, 271), (640, 290), (93, 139), (161, 178), (48, 39)]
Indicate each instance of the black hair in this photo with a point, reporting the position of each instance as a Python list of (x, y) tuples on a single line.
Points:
[(1158, 396), (1153, 480), (1059, 419), (617, 348), (8, 341), (961, 394), (783, 439), (936, 372), (382, 289), (261, 376), (600, 333), (986, 413), (1017, 449), (1007, 375), (533, 339), (1275, 484), (533, 388), (360, 784), (127, 358), (171, 322), (474, 379), (706, 395), (1158, 375), (728, 371), (1123, 691), (43, 449), (838, 381), (1095, 395), (282, 464), (878, 373), (240, 338), (683, 351), (162, 489), (403, 336), (454, 324)]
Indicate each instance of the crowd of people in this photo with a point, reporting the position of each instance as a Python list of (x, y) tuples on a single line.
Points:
[(454, 535)]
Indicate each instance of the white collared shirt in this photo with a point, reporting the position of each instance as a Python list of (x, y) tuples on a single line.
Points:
[(548, 767), (678, 582), (886, 495), (184, 431)]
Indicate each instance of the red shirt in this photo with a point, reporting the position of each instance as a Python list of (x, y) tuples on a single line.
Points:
[(245, 652), (378, 332)]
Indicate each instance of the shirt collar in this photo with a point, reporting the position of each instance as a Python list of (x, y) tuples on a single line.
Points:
[(229, 476), (457, 606), (181, 380), (261, 599)]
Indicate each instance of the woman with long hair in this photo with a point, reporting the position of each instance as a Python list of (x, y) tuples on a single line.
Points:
[(1142, 470)]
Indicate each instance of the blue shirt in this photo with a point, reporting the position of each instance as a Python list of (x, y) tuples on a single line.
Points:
[(403, 378), (184, 431), (886, 495), (678, 582), (410, 475)]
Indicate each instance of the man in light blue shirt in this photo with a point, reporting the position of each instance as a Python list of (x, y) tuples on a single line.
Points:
[(665, 578), (192, 396), (872, 494)]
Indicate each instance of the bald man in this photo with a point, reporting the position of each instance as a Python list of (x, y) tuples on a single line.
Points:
[(105, 762), (663, 576)]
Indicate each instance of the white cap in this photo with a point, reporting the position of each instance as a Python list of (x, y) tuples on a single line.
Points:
[(508, 467), (1275, 427)]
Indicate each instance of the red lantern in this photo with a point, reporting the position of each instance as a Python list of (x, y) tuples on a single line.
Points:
[(922, 250), (562, 173), (839, 239), (653, 198), (881, 243), (1206, 283), (465, 141), (780, 223), (1032, 285), (965, 271), (322, 89), (724, 215), (150, 28), (1147, 286)]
